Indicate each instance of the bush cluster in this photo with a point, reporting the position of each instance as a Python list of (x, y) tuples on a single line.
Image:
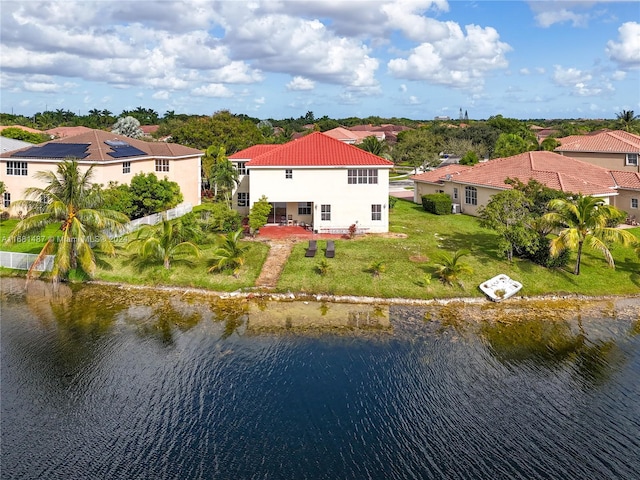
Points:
[(437, 203)]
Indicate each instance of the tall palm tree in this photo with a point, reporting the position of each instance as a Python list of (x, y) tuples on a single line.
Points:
[(229, 253), (71, 200), (627, 118), (166, 243), (372, 145), (450, 268), (584, 220)]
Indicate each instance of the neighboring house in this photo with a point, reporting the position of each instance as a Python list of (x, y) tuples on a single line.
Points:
[(615, 150), (11, 144), (353, 137), (61, 132), (317, 181), (472, 186), (115, 158)]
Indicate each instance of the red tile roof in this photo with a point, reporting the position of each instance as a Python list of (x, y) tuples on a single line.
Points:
[(551, 169), (439, 174), (67, 131), (617, 141), (98, 150), (251, 152), (316, 150), (627, 180)]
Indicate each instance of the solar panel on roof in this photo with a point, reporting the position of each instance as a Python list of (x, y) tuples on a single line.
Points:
[(128, 151), (56, 150), (117, 143)]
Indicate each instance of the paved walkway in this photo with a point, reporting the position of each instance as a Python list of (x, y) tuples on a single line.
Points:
[(279, 251)]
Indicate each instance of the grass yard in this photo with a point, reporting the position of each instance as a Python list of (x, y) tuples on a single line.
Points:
[(421, 238), (193, 273), (26, 243)]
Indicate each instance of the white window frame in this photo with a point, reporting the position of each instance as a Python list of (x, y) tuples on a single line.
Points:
[(455, 193), (325, 213), (6, 199), (376, 212), (126, 167), (242, 168), (288, 173), (243, 199), (631, 159), (17, 168), (304, 208), (471, 195), (634, 203), (162, 164), (362, 176)]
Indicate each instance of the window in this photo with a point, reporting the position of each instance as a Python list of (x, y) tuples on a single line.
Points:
[(304, 208), (126, 167), (634, 202), (242, 168), (455, 193), (243, 199), (325, 212), (17, 168), (376, 212), (362, 176), (470, 195), (288, 173), (162, 164), (6, 199), (632, 159)]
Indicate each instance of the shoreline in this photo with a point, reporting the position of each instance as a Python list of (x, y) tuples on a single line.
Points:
[(317, 297)]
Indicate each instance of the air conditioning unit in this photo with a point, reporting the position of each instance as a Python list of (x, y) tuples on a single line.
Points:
[(455, 208)]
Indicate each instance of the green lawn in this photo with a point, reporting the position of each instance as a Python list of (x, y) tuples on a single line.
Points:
[(409, 252), (408, 259), (27, 243)]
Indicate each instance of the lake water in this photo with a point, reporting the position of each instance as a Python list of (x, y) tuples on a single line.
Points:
[(107, 383)]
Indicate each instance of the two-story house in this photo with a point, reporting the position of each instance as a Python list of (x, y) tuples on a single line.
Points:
[(114, 157), (615, 150), (316, 181)]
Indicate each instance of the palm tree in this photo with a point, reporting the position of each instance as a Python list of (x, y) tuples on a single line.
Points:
[(450, 268), (225, 177), (165, 244), (71, 199), (229, 253), (372, 145), (584, 220), (627, 118)]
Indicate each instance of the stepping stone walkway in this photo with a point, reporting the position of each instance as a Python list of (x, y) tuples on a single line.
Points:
[(279, 252)]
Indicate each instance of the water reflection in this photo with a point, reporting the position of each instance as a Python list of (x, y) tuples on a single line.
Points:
[(117, 383)]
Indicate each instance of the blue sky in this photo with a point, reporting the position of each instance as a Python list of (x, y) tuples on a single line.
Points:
[(279, 59)]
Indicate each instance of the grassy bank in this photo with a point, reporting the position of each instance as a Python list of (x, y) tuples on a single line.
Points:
[(421, 238), (409, 253)]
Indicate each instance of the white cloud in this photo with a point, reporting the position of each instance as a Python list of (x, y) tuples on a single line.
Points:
[(627, 51), (525, 71), (300, 83), (41, 87), (161, 95), (581, 83), (458, 60), (212, 90)]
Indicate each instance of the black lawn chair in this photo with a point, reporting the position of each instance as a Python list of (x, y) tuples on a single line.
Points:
[(330, 252), (311, 250)]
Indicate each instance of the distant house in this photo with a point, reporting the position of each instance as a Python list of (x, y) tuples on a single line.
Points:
[(472, 186), (615, 150), (353, 137), (61, 132), (114, 157), (318, 181), (11, 144)]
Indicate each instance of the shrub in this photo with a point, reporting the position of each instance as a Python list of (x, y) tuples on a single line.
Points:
[(437, 203), (392, 202), (541, 255)]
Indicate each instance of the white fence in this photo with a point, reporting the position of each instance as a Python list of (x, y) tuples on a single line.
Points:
[(23, 261)]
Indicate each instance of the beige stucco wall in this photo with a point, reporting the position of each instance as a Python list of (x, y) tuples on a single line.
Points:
[(610, 161), (483, 194), (325, 186), (623, 201), (185, 172)]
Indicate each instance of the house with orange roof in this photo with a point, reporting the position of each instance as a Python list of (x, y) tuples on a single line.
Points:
[(471, 187), (615, 150), (317, 181), (60, 132), (352, 137), (115, 158)]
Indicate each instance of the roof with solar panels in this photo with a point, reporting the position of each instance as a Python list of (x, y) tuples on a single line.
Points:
[(100, 146)]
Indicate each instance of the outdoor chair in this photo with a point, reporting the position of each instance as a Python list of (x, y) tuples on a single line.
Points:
[(330, 252), (311, 250)]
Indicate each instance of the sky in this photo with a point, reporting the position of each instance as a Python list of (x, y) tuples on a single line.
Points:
[(418, 59)]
